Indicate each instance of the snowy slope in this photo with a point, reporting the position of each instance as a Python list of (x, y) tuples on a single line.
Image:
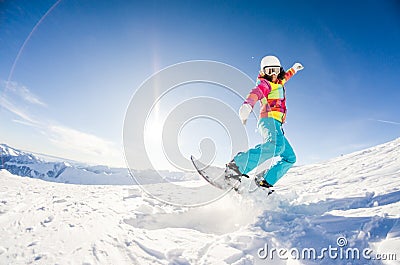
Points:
[(353, 198)]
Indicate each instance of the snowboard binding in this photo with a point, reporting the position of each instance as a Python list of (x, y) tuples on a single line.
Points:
[(263, 184), (232, 172), (233, 176)]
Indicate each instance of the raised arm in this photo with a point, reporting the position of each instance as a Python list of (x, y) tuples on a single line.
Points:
[(292, 71)]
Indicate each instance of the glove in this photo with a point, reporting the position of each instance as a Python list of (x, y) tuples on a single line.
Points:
[(244, 112), (297, 67)]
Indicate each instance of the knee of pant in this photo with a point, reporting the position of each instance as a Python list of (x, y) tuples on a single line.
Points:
[(267, 147), (275, 146), (291, 158), (279, 148)]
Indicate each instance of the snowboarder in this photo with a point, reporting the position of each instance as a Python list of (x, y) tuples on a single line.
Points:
[(270, 91)]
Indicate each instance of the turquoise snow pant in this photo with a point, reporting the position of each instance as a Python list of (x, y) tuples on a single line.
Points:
[(274, 144)]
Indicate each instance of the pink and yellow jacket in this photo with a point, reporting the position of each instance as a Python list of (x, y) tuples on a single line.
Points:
[(271, 95)]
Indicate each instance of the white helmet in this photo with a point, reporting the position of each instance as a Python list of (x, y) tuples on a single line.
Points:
[(269, 61)]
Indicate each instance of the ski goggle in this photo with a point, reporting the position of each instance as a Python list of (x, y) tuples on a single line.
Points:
[(270, 70)]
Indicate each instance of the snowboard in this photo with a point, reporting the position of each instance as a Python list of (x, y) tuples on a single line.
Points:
[(215, 176)]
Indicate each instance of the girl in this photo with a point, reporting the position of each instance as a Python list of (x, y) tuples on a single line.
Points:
[(270, 91)]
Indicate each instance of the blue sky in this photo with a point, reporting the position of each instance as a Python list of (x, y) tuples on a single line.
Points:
[(69, 68)]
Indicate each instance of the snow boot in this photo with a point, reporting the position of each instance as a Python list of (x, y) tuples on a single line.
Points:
[(263, 183), (232, 171)]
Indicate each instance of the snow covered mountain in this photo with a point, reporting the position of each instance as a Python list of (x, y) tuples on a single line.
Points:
[(342, 211), (29, 165)]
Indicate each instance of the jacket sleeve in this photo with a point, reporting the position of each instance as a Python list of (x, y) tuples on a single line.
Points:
[(260, 91), (289, 73)]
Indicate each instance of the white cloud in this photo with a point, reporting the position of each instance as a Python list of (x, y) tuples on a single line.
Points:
[(23, 92), (74, 139), (69, 143), (5, 103), (24, 122), (390, 122), (86, 146)]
